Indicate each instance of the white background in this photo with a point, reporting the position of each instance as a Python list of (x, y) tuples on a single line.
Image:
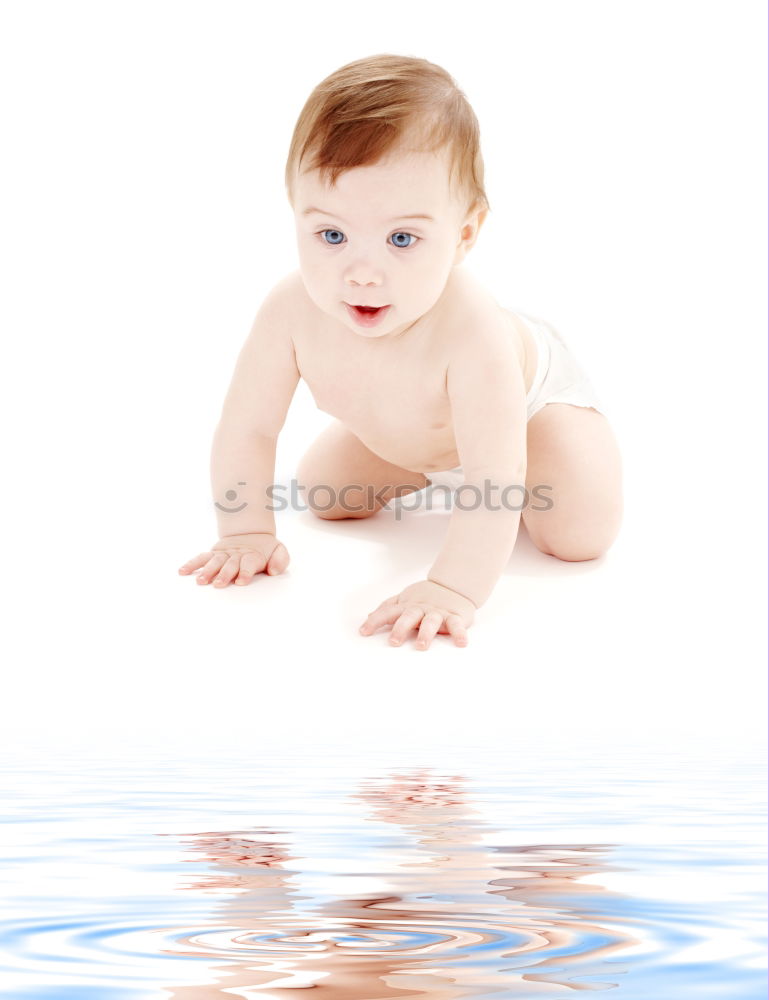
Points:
[(144, 219)]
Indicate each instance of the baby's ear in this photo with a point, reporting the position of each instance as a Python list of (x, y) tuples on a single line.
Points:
[(470, 229), (482, 212)]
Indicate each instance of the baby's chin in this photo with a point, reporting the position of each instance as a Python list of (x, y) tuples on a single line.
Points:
[(366, 333), (371, 334)]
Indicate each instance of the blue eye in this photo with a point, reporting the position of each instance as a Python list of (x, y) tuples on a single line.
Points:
[(334, 238)]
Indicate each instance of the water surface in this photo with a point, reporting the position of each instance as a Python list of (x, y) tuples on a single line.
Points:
[(458, 873)]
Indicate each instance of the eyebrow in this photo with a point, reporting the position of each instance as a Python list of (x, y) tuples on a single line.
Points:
[(414, 215)]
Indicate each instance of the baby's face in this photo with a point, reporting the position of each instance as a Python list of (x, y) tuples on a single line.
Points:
[(366, 247)]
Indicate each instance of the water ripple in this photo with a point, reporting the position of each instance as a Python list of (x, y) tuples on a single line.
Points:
[(395, 884)]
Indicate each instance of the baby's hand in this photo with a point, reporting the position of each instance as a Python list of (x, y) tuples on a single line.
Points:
[(237, 558), (427, 606)]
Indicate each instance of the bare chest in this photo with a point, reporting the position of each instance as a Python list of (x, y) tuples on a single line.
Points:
[(392, 397)]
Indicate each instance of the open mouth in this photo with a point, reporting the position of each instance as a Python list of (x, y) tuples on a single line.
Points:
[(366, 315)]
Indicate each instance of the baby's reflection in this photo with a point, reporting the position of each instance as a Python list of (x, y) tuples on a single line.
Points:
[(456, 918)]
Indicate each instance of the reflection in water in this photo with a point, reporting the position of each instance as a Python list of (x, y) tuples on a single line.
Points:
[(451, 918)]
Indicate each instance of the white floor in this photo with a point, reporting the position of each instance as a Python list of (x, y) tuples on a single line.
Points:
[(660, 641), (136, 257)]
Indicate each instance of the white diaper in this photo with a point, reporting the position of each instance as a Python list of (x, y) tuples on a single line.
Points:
[(559, 378)]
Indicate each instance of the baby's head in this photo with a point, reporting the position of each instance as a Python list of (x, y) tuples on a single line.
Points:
[(380, 139)]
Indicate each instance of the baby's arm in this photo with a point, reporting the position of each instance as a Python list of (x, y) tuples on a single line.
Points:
[(244, 446), (487, 394)]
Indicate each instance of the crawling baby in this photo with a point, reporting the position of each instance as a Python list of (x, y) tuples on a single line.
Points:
[(429, 378)]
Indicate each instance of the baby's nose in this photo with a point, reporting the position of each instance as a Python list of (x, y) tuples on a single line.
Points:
[(364, 273)]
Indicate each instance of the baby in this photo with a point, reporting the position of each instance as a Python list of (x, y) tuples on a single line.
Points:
[(429, 378)]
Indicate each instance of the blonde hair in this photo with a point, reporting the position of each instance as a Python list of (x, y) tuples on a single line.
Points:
[(369, 107)]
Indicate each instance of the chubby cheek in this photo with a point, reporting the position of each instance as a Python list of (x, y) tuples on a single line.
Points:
[(426, 284), (317, 276)]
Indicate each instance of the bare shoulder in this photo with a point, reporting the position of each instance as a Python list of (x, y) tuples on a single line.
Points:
[(288, 297), (474, 320), (480, 329), (288, 311)]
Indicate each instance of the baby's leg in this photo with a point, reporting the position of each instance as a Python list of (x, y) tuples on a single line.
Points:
[(573, 450), (339, 473)]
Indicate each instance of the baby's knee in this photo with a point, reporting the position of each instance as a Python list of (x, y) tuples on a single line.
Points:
[(332, 504), (575, 541), (579, 552)]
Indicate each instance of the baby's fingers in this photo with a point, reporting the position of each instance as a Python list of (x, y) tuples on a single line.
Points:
[(279, 560), (428, 630), (385, 614), (195, 563), (228, 572), (255, 562), (457, 629), (250, 564), (212, 567), (408, 619)]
